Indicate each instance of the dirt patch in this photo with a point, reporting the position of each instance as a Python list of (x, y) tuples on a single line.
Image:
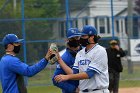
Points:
[(129, 90)]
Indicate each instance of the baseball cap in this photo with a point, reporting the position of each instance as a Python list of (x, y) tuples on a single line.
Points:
[(73, 32), (89, 30), (11, 38)]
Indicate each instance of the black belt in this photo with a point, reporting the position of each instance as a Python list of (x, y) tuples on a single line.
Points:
[(87, 90)]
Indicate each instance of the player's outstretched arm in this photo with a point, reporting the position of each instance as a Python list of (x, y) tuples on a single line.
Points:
[(23, 69)]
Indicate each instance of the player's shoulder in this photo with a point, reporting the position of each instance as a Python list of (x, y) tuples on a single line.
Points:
[(100, 48), (11, 58), (66, 55), (82, 51)]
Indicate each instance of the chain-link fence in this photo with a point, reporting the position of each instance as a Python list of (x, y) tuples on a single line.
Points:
[(41, 22)]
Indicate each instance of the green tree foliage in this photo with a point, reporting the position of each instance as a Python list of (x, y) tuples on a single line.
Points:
[(34, 29), (32, 8), (42, 8)]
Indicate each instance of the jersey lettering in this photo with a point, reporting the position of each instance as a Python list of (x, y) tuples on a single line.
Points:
[(84, 62)]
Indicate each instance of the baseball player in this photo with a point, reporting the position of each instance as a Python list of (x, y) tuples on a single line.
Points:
[(90, 64), (68, 57), (12, 69)]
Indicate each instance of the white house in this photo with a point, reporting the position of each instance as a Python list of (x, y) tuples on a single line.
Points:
[(98, 14)]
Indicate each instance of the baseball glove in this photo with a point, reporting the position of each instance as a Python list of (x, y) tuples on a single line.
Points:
[(53, 58)]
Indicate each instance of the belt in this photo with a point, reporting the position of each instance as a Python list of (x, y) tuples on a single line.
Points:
[(88, 90)]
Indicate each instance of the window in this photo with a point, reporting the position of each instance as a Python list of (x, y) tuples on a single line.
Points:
[(117, 25), (126, 25), (108, 25), (75, 23), (135, 32), (62, 29), (102, 25), (85, 21), (96, 26), (135, 27)]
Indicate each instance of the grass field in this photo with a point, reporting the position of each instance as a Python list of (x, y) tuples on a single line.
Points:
[(41, 83), (42, 89), (53, 89)]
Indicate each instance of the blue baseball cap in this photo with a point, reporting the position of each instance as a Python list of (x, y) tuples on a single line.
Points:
[(89, 30), (73, 32), (11, 38)]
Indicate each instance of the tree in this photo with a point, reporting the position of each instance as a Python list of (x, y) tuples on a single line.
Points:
[(35, 30), (42, 8)]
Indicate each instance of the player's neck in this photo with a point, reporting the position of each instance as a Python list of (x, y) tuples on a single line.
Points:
[(74, 48), (10, 53), (89, 46)]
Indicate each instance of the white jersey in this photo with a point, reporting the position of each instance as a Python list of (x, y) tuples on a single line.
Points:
[(94, 59)]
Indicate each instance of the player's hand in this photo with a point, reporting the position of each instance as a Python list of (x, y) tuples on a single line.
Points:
[(60, 78), (77, 90), (49, 53), (117, 47), (58, 56)]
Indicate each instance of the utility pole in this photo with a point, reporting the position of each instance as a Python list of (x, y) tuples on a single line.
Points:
[(130, 34)]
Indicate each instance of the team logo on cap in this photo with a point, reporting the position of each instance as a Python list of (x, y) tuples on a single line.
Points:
[(16, 36), (73, 31), (90, 32)]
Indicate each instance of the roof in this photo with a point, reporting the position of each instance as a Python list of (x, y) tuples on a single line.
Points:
[(124, 10), (101, 7)]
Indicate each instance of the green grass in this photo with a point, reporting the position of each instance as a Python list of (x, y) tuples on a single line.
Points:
[(129, 83), (134, 76), (44, 77), (41, 83), (44, 89), (53, 89)]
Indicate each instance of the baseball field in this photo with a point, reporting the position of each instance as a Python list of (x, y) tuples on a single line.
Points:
[(125, 87), (41, 83)]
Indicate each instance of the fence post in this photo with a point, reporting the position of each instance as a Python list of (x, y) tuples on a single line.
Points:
[(67, 14), (112, 18), (130, 33), (23, 34)]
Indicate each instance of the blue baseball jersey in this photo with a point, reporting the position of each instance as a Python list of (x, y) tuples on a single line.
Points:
[(10, 66), (70, 85)]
